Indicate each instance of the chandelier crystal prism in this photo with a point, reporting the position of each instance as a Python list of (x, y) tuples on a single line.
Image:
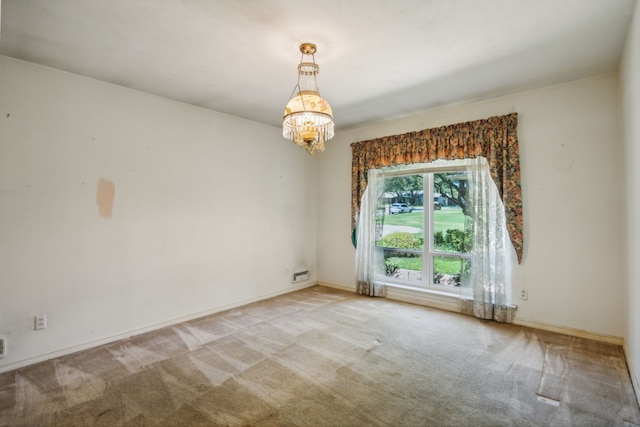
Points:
[(308, 119)]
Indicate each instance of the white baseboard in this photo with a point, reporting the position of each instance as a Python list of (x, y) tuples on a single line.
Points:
[(411, 296), (426, 299), (338, 286), (451, 303), (611, 339), (85, 346), (632, 371)]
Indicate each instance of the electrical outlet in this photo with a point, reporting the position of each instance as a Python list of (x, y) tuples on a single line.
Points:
[(40, 322), (524, 294)]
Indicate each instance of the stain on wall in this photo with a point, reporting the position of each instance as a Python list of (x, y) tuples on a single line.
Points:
[(105, 194)]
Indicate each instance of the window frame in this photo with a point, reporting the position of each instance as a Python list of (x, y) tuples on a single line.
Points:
[(428, 252)]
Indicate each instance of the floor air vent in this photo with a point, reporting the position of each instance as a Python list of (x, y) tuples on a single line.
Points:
[(3, 347)]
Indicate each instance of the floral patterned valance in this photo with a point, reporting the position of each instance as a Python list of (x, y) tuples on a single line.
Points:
[(494, 138)]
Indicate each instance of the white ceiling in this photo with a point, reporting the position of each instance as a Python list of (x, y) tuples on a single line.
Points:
[(379, 59)]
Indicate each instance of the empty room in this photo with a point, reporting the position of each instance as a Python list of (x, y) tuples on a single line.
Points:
[(339, 213)]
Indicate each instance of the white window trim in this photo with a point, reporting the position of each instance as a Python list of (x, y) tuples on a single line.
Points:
[(427, 253)]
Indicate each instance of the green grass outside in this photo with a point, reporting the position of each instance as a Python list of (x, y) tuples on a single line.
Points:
[(443, 265), (407, 263), (413, 219), (443, 219)]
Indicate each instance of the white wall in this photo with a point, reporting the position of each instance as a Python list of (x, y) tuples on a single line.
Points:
[(630, 101), (210, 211), (570, 152)]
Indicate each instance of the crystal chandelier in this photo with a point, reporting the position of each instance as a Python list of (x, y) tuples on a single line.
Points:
[(308, 120)]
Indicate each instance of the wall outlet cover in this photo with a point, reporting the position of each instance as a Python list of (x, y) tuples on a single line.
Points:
[(40, 322)]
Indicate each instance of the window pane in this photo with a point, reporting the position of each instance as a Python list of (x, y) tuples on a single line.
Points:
[(452, 229), (402, 265), (451, 271), (401, 213), (401, 221)]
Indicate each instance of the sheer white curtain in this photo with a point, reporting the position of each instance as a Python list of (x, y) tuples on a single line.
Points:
[(489, 296), (491, 260), (368, 255)]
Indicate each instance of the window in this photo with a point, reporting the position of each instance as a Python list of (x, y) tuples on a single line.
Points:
[(452, 237), (424, 244)]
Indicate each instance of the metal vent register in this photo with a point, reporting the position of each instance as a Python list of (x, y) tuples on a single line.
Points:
[(300, 276)]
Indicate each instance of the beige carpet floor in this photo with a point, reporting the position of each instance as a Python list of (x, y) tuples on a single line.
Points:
[(322, 357)]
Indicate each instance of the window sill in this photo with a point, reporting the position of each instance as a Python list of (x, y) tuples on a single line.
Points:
[(426, 297)]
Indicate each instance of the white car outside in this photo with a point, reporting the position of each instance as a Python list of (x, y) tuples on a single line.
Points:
[(397, 208)]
